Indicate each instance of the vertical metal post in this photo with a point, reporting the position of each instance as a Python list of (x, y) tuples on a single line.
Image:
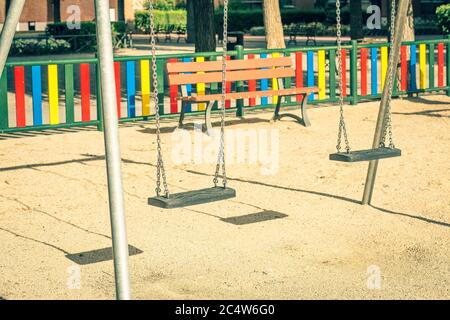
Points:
[(112, 148), (9, 30), (393, 61)]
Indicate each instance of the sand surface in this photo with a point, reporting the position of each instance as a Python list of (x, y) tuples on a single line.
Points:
[(322, 244)]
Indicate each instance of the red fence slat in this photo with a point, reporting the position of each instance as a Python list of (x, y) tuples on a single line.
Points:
[(19, 85)]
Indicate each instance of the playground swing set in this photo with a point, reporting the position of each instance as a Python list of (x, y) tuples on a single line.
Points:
[(215, 71)]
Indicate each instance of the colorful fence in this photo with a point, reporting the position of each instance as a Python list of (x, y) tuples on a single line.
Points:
[(37, 95)]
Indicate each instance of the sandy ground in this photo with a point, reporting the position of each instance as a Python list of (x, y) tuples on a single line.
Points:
[(324, 244)]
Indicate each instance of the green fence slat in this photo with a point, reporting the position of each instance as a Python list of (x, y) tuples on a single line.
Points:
[(4, 100), (354, 72), (214, 87), (99, 97), (431, 65), (332, 73), (287, 82), (69, 92), (160, 67), (240, 84)]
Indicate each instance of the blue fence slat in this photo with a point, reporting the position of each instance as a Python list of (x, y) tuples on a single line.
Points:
[(131, 89), (188, 107), (264, 83), (36, 82), (412, 68), (374, 70), (310, 72)]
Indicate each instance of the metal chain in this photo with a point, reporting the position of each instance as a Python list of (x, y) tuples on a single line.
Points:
[(342, 126), (388, 120), (160, 170), (221, 156)]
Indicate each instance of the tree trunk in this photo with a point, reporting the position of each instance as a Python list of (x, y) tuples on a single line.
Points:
[(190, 26), (408, 33), (273, 25), (205, 37), (57, 10), (121, 9), (356, 25)]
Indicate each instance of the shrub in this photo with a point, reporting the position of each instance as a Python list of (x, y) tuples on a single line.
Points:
[(443, 17), (162, 18), (36, 46)]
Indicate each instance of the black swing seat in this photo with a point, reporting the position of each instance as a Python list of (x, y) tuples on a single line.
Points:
[(366, 155), (190, 198)]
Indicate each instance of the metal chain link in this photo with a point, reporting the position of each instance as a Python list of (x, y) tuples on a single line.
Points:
[(221, 156), (342, 126), (160, 169), (387, 130)]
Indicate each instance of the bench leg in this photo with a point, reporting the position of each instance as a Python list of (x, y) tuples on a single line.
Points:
[(304, 120), (182, 113), (208, 123)]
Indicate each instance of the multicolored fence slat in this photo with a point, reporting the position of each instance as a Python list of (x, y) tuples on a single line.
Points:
[(228, 90), (173, 93), (19, 86), (299, 73), (251, 85), (145, 87), (440, 64), (188, 107), (53, 94), (131, 89), (85, 90), (118, 88), (321, 64), (422, 66), (344, 72), (275, 80), (201, 87), (374, 71), (264, 84), (412, 68), (403, 69), (310, 72), (363, 62), (36, 82), (384, 65)]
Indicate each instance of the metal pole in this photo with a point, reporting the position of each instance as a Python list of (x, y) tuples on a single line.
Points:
[(9, 30), (393, 61), (112, 148)]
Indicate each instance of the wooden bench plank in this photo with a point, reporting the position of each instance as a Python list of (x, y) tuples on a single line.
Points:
[(209, 66), (242, 75), (250, 94)]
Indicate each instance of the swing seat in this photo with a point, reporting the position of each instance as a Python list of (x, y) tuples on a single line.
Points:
[(190, 198), (366, 155)]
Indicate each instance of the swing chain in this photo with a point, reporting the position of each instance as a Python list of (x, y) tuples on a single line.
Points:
[(342, 126), (160, 169), (221, 156), (388, 120)]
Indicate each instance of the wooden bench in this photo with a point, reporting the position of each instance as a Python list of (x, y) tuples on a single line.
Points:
[(185, 73)]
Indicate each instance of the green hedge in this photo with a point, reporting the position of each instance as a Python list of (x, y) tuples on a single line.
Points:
[(443, 17), (162, 18), (87, 29), (244, 20), (39, 46)]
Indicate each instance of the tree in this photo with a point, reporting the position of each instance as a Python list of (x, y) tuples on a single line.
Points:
[(121, 10), (273, 25), (190, 25), (205, 36), (57, 10), (356, 23)]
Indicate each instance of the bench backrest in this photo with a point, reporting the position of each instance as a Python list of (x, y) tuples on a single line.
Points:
[(183, 73)]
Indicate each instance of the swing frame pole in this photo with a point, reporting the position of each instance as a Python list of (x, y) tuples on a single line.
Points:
[(9, 30), (112, 149), (400, 21)]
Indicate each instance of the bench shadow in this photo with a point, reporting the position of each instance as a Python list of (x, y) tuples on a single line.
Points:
[(47, 132), (429, 113)]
